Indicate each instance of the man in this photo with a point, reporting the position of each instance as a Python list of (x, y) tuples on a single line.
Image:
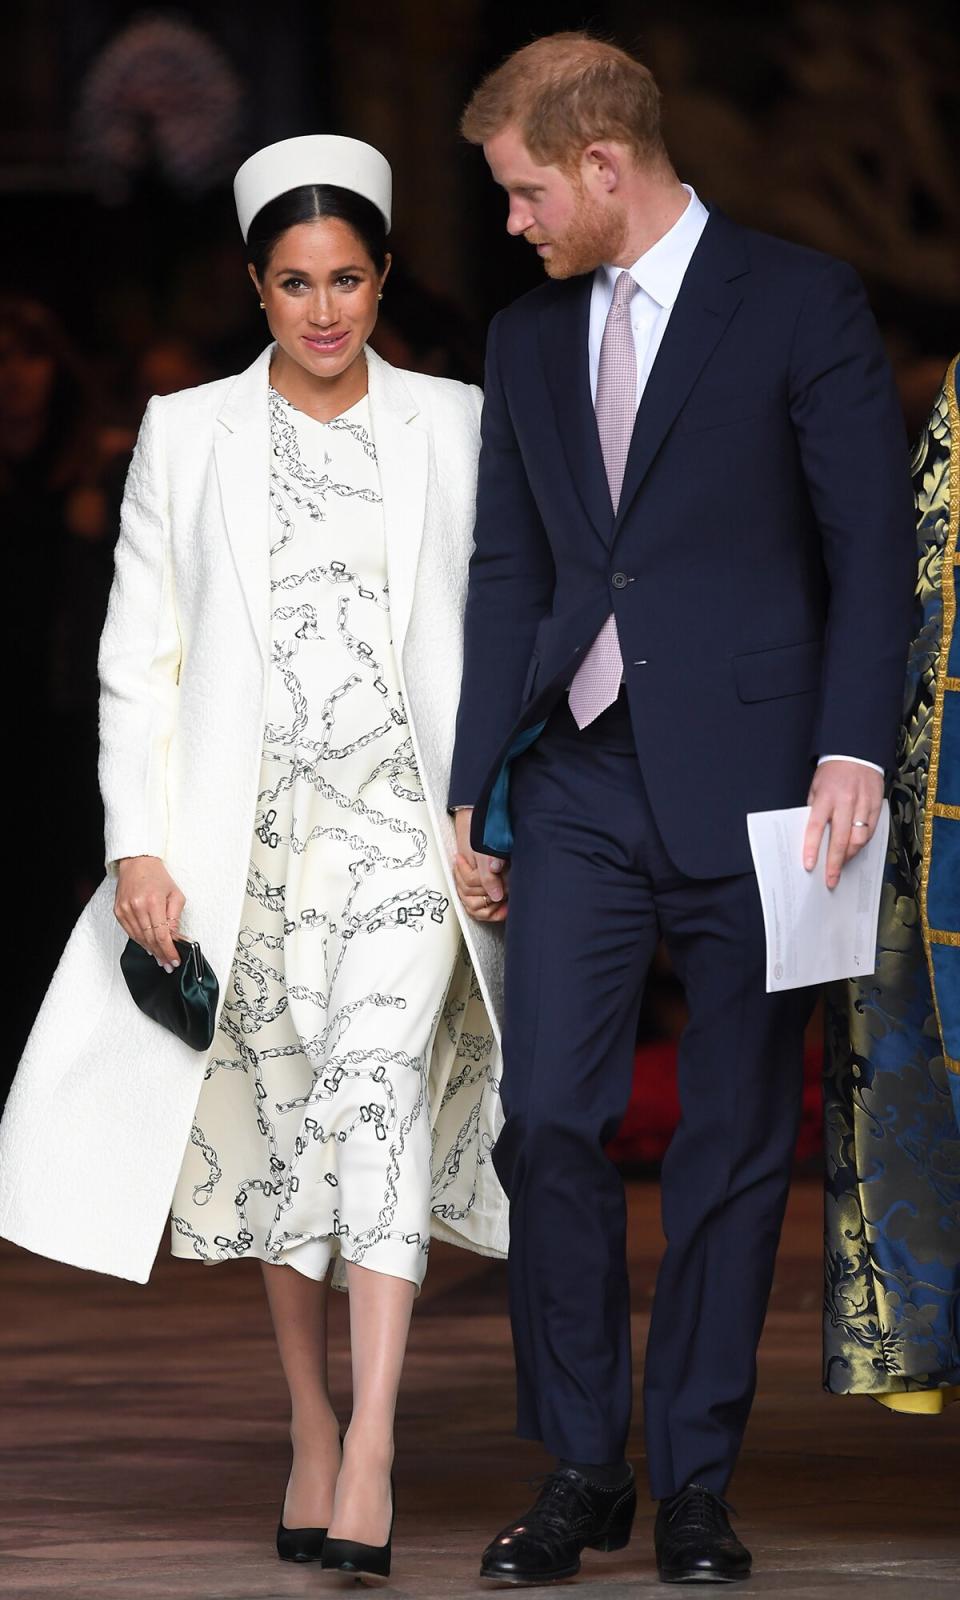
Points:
[(692, 583)]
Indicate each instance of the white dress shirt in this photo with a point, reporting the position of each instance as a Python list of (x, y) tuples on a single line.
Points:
[(659, 272)]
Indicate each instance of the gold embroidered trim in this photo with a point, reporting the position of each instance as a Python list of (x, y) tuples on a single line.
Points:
[(945, 936), (953, 812), (951, 557)]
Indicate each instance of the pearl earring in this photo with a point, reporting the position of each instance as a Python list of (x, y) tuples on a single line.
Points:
[(380, 295), (263, 305)]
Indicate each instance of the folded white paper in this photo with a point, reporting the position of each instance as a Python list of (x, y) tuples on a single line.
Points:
[(815, 934)]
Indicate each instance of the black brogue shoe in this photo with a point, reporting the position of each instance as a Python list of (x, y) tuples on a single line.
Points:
[(571, 1514), (694, 1540)]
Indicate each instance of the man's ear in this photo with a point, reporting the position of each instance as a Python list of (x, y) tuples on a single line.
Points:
[(604, 163)]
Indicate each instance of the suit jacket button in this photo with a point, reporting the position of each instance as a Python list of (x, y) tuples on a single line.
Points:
[(619, 580)]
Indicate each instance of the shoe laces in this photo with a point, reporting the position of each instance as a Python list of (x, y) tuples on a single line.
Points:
[(700, 1508), (560, 1495)]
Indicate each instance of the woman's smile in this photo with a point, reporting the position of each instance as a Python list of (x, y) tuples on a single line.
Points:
[(326, 343)]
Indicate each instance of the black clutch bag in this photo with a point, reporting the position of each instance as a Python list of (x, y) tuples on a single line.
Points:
[(184, 1000)]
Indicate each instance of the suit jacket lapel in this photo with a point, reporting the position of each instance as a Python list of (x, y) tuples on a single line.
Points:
[(707, 300), (564, 335), (243, 468), (402, 458)]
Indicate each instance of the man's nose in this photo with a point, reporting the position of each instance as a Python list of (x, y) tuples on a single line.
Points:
[(519, 218)]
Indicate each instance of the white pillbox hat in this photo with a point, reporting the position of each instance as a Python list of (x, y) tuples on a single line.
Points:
[(312, 158)]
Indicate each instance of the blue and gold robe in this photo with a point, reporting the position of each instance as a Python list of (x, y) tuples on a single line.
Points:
[(892, 1085)]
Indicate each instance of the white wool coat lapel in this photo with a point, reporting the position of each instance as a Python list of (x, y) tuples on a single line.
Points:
[(402, 445), (242, 451)]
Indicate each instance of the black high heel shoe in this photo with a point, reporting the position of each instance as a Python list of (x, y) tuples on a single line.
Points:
[(300, 1544), (364, 1560)]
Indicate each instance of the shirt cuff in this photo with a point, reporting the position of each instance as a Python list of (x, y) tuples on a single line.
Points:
[(858, 761)]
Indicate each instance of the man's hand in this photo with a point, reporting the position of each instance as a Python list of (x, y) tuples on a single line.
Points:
[(481, 880), (848, 797)]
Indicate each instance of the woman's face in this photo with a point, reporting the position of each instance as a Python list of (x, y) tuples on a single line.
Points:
[(320, 291)]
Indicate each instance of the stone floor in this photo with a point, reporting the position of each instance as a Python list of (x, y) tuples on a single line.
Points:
[(144, 1449)]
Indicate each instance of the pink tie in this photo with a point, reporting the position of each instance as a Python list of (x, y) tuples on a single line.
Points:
[(598, 678)]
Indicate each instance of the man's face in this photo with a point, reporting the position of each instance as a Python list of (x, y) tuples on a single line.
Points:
[(573, 225)]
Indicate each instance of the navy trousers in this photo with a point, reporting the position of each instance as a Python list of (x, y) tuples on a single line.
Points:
[(591, 890)]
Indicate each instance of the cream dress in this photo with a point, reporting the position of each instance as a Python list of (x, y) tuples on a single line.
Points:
[(311, 1137)]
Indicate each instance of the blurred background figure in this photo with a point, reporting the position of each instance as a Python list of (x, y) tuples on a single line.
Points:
[(58, 539), (168, 365)]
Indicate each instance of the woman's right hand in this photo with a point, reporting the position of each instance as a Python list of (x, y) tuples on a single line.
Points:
[(148, 906)]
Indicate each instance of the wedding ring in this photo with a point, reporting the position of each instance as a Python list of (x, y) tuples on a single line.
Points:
[(861, 824)]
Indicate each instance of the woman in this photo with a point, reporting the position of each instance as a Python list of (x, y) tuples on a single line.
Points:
[(280, 670), (892, 1311)]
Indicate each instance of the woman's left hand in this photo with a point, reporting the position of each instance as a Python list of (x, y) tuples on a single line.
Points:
[(148, 907)]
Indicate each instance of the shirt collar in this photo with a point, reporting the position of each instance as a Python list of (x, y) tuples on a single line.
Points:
[(660, 269)]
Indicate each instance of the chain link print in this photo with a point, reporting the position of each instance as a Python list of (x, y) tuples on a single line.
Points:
[(312, 1135)]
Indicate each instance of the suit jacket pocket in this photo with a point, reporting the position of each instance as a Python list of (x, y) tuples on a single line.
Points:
[(771, 674)]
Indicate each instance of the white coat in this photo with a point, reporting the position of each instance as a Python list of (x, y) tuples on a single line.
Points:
[(100, 1112)]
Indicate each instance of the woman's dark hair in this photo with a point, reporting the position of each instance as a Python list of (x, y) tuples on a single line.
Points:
[(305, 204)]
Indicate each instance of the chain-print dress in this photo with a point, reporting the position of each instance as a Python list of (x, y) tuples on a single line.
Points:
[(311, 1137)]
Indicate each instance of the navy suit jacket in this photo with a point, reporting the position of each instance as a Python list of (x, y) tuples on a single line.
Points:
[(760, 566)]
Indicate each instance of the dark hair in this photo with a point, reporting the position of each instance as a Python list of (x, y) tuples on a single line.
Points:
[(305, 204)]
